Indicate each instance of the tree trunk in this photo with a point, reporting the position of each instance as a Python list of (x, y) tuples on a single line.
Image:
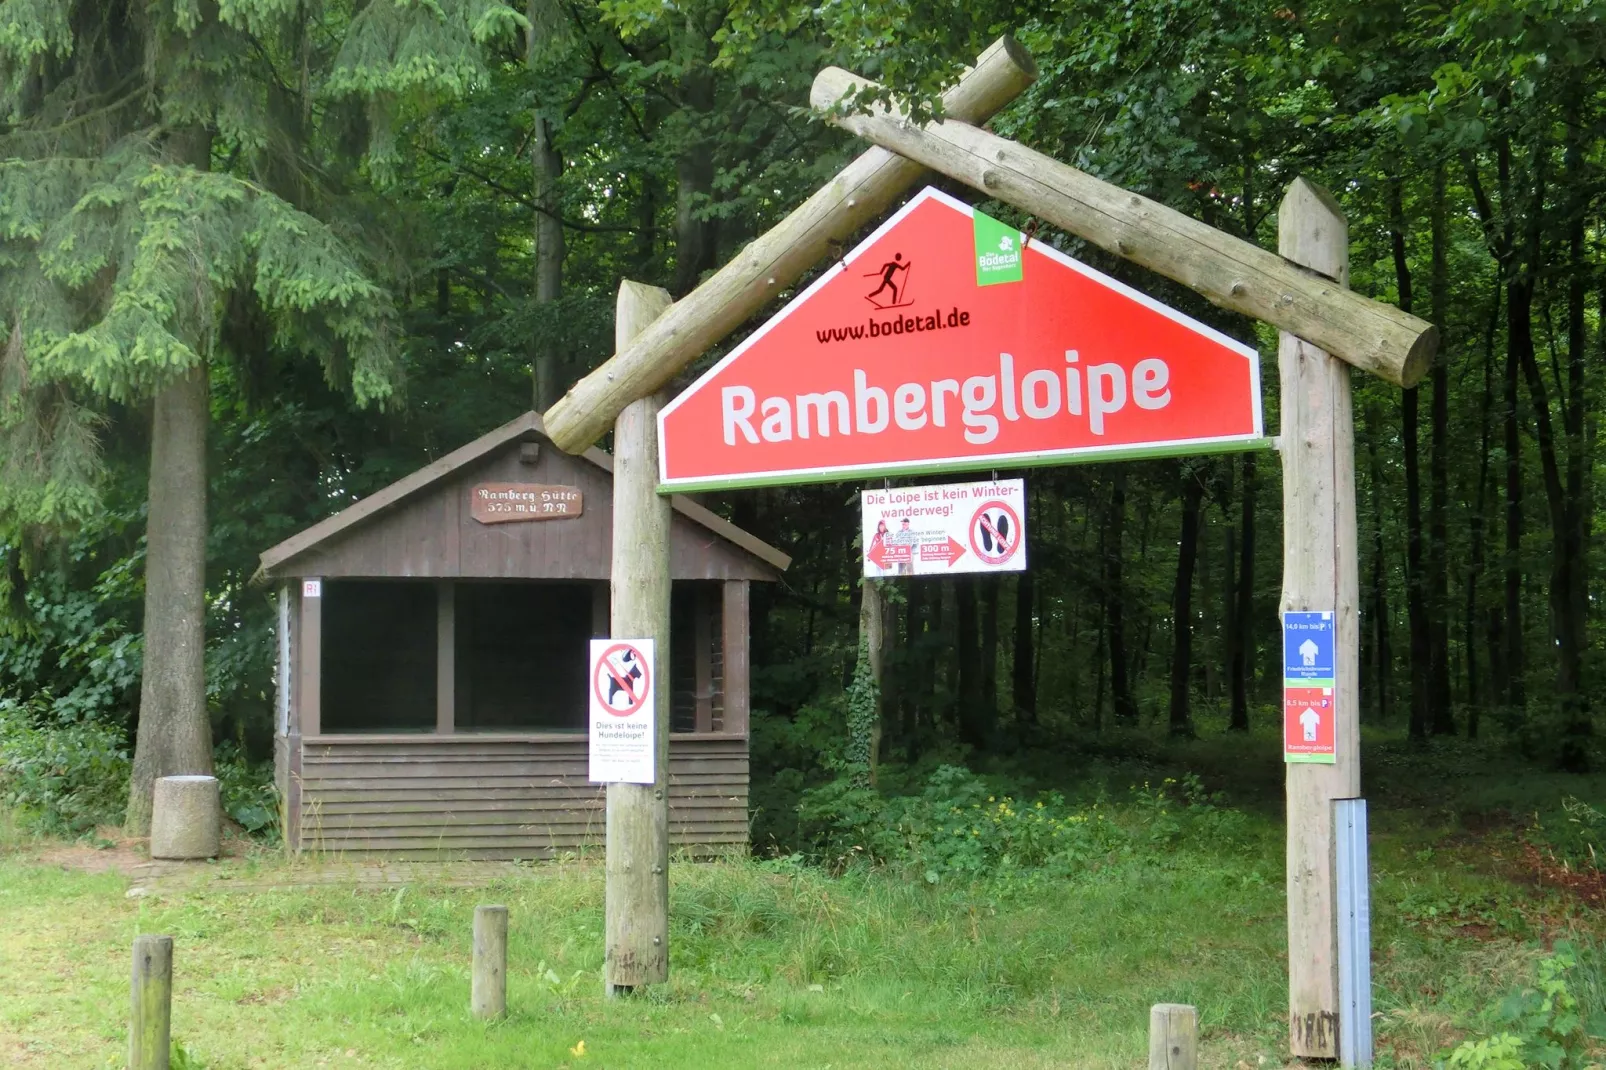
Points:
[(1380, 649), (1243, 611), (1023, 683), (175, 734), (1124, 705), (695, 249), (1441, 712), (548, 169), (1475, 694), (1563, 498), (989, 650), (1209, 631), (1519, 326), (1415, 581), (913, 668), (972, 720), (1181, 721), (872, 637)]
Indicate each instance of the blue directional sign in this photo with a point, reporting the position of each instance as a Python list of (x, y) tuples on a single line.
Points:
[(1308, 645)]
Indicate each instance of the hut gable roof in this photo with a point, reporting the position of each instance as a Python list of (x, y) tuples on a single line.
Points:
[(426, 501)]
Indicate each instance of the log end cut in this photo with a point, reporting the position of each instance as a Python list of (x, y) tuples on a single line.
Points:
[(1420, 357)]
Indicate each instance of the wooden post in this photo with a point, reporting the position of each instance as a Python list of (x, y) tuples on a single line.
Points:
[(1173, 1037), (759, 273), (488, 991), (445, 657), (1320, 572), (311, 656), (735, 634), (1232, 273), (637, 908), (150, 1023)]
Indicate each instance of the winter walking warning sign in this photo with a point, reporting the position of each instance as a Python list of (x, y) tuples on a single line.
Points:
[(621, 711), (955, 527), (1309, 683)]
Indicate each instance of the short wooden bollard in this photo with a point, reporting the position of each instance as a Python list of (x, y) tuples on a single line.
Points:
[(1173, 1037), (150, 1023), (488, 998)]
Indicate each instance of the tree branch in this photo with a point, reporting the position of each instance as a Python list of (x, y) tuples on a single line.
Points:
[(530, 203)]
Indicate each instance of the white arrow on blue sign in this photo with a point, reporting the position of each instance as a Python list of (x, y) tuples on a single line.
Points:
[(1308, 645)]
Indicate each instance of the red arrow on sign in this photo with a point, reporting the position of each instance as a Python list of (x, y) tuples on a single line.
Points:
[(878, 555), (948, 550), (938, 372)]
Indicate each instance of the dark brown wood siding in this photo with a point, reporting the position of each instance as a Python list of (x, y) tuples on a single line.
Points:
[(433, 534), (490, 797)]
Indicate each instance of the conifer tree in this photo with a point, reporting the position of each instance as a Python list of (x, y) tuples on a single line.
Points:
[(178, 187)]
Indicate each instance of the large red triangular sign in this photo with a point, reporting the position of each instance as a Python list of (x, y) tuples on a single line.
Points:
[(947, 342)]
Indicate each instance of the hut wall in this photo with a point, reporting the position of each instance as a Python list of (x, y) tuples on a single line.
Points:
[(497, 797)]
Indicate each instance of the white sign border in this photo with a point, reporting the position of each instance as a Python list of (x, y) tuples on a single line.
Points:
[(1171, 447), (595, 713)]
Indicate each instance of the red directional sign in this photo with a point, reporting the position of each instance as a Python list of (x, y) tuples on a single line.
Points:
[(948, 341)]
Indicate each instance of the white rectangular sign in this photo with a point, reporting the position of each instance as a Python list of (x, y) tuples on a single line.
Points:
[(955, 527), (620, 711)]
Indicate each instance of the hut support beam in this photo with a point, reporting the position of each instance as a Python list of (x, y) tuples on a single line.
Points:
[(310, 656), (445, 657), (637, 868), (734, 641)]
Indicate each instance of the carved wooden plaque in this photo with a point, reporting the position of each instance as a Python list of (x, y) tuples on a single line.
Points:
[(503, 503)]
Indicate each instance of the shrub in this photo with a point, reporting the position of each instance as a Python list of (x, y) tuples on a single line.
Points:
[(958, 826), (68, 776), (1541, 1025), (249, 797)]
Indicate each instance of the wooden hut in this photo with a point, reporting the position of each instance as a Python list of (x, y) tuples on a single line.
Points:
[(432, 660)]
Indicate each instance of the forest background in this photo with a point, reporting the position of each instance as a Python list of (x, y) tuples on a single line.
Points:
[(259, 259)]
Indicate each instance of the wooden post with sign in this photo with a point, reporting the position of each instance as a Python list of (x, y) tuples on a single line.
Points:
[(1320, 573), (637, 895)]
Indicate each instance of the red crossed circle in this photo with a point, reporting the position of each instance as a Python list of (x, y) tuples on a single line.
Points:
[(1005, 547), (607, 670)]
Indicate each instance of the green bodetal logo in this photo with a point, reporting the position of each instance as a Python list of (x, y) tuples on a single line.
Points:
[(998, 251)]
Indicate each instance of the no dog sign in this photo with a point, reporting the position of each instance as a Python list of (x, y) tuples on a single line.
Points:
[(621, 711)]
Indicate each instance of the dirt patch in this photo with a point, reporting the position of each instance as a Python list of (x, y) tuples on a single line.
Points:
[(1587, 885), (271, 995), (110, 851)]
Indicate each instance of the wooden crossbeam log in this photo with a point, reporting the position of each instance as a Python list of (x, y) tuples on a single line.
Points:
[(858, 194), (1235, 274)]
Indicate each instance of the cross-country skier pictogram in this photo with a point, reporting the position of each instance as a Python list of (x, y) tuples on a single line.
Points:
[(888, 273)]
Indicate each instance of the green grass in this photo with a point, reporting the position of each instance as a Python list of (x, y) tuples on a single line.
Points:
[(779, 965)]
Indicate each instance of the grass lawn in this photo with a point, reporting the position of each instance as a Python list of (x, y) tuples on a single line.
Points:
[(775, 964)]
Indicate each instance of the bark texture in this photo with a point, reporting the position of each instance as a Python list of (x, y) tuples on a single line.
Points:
[(175, 733)]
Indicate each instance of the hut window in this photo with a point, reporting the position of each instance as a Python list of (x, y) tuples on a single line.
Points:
[(521, 656), (378, 656)]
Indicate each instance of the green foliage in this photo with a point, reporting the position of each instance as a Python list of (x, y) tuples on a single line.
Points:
[(68, 776), (1540, 1027), (959, 827), (864, 714), (248, 795)]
